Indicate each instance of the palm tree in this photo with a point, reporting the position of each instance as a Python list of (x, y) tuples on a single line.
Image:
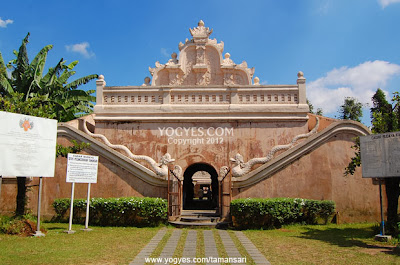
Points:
[(49, 93), (351, 109)]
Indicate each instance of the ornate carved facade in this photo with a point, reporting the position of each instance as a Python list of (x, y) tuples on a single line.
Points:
[(201, 64), (202, 114)]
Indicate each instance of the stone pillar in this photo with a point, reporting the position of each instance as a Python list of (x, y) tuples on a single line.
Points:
[(301, 83), (234, 95), (100, 84), (166, 95)]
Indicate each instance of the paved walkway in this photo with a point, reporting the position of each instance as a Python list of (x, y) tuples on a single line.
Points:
[(190, 248)]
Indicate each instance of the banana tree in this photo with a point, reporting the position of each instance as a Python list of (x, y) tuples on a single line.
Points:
[(50, 92)]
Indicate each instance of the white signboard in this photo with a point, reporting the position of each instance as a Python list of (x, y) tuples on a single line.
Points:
[(380, 155), (82, 168), (27, 145)]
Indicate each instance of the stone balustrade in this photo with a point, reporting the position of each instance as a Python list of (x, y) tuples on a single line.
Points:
[(236, 102), (189, 95)]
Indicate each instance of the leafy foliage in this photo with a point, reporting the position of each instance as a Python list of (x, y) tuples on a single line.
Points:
[(319, 111), (356, 160), (21, 225), (31, 91), (385, 117), (275, 212), (51, 91), (125, 211), (63, 151), (14, 103), (351, 109)]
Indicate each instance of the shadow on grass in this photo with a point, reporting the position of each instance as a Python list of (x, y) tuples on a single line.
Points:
[(348, 237), (55, 228)]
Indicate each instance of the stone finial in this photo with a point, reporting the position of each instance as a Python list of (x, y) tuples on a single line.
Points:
[(227, 60), (300, 78), (200, 31), (146, 81), (173, 59), (100, 81), (256, 81)]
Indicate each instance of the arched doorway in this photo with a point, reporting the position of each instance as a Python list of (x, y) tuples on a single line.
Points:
[(200, 187)]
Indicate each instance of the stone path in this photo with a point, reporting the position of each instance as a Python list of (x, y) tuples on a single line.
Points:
[(149, 248), (189, 251), (169, 249), (251, 249)]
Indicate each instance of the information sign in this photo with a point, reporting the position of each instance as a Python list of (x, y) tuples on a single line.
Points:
[(28, 145), (380, 155), (82, 168)]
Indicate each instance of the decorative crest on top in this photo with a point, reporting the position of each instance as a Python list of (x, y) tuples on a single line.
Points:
[(200, 32), (200, 63)]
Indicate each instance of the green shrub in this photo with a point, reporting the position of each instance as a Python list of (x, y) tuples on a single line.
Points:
[(18, 225), (129, 211), (270, 213)]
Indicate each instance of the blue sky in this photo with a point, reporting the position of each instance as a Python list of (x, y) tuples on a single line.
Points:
[(344, 47)]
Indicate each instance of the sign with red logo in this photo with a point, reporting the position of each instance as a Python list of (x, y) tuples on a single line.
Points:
[(28, 145)]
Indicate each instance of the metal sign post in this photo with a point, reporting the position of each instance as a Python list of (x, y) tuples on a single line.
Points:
[(81, 169), (39, 233), (380, 154), (1, 182), (87, 229), (71, 213), (382, 218)]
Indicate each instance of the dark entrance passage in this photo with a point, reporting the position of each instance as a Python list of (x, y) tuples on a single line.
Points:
[(200, 187)]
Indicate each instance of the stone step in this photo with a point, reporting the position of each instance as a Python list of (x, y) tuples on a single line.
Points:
[(180, 224), (199, 219), (200, 213)]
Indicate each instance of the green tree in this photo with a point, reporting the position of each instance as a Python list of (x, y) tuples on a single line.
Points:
[(351, 109), (311, 107), (52, 88), (384, 118), (29, 90)]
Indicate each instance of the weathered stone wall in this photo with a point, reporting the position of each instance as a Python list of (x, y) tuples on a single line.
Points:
[(319, 175), (316, 175), (212, 143), (112, 181)]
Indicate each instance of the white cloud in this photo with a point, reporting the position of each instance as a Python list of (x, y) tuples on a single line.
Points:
[(165, 53), (4, 23), (323, 7), (361, 82), (81, 48), (385, 3)]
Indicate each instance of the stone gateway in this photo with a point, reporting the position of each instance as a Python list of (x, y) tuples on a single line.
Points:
[(204, 127)]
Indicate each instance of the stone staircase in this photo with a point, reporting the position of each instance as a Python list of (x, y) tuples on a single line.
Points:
[(199, 219)]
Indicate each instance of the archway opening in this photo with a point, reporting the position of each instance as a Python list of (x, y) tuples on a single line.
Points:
[(200, 187)]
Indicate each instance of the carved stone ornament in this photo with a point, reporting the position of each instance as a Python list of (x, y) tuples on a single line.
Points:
[(200, 32), (201, 63), (161, 169), (241, 168)]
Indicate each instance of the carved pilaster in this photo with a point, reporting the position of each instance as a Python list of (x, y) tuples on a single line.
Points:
[(100, 84), (201, 54), (301, 82), (166, 95)]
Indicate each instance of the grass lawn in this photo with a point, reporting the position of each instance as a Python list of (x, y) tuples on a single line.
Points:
[(328, 244), (331, 244), (103, 245)]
